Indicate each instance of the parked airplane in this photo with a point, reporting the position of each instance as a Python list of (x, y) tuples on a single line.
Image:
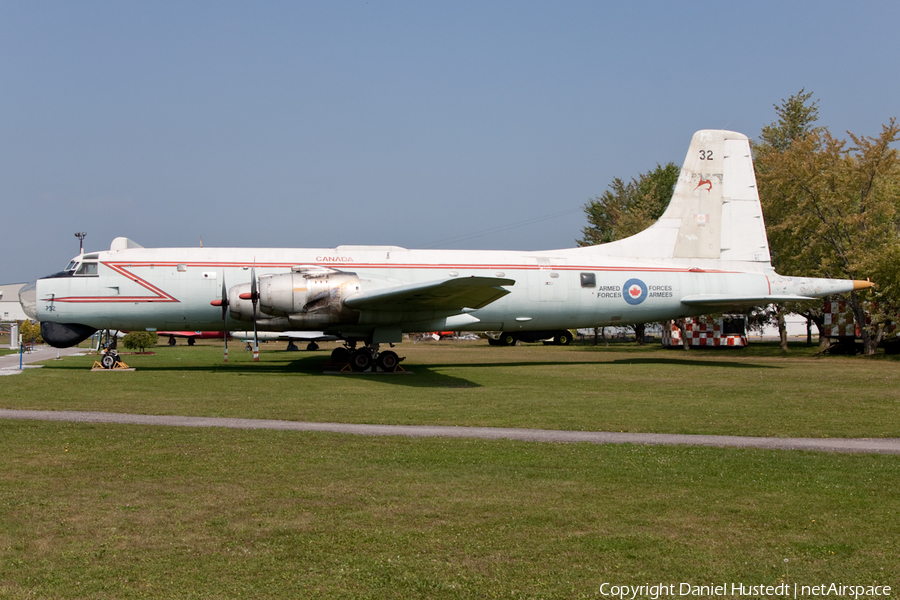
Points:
[(707, 253), (191, 336), (310, 337)]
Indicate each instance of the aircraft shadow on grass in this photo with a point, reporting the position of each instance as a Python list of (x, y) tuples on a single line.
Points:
[(423, 376)]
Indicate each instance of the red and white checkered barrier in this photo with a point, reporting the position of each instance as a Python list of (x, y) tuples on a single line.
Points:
[(839, 322), (702, 332)]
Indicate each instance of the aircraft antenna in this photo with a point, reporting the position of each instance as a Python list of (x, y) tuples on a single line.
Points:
[(81, 235)]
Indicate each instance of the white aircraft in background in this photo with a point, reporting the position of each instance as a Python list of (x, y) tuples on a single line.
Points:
[(707, 253), (312, 338)]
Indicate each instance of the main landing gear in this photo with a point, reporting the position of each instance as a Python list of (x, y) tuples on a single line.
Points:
[(367, 358)]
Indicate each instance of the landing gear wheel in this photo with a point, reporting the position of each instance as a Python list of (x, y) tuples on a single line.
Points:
[(191, 341), (361, 360), (507, 339), (388, 361), (312, 347), (109, 360), (171, 340), (563, 338), (340, 356)]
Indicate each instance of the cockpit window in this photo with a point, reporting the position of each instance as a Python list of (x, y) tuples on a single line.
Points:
[(87, 268), (71, 266)]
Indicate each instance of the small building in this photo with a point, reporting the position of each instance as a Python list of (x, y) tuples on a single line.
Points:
[(839, 325), (726, 331), (10, 309), (839, 322)]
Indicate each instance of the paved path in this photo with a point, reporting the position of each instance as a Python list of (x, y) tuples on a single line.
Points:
[(9, 363), (869, 445)]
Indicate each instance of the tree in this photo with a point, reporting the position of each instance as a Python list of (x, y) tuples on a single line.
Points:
[(139, 340), (796, 117), (795, 121), (31, 332), (628, 208), (833, 210)]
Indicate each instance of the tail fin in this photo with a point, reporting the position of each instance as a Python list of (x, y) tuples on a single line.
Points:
[(715, 212)]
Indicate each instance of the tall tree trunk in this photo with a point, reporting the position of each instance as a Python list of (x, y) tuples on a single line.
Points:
[(870, 339), (817, 317), (684, 341), (782, 330), (639, 333)]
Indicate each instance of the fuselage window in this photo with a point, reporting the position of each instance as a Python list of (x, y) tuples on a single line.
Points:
[(588, 280), (87, 269)]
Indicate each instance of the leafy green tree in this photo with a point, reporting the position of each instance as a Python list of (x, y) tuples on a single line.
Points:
[(628, 208), (833, 210), (31, 332), (796, 118), (139, 340)]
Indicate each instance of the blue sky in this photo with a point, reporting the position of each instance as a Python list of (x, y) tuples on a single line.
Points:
[(419, 124)]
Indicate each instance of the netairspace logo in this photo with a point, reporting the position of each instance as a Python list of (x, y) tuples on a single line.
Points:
[(736, 590)]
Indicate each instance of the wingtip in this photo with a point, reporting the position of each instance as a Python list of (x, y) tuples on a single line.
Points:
[(859, 284)]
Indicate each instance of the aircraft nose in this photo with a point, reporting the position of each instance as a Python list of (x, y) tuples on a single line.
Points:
[(28, 300)]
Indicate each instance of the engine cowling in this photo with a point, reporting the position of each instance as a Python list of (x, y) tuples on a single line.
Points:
[(306, 300)]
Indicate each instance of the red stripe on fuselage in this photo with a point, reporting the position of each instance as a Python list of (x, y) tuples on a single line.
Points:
[(160, 295)]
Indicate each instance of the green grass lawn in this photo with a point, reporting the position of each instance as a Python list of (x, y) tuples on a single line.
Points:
[(620, 388), (120, 511)]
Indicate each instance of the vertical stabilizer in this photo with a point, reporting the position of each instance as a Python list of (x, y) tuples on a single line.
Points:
[(714, 213)]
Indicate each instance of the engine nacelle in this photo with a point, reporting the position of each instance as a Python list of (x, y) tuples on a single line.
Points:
[(308, 301)]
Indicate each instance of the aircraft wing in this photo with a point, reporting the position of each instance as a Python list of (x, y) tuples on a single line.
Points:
[(445, 294), (726, 301)]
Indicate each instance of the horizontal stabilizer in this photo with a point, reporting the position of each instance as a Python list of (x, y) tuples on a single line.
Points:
[(725, 301), (446, 294)]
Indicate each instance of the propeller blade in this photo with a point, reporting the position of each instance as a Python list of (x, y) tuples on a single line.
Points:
[(225, 314), (254, 298), (224, 298)]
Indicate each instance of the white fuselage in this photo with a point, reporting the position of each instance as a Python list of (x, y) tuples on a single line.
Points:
[(172, 288)]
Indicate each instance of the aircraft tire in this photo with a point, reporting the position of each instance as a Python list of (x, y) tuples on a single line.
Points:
[(171, 340), (508, 339), (563, 338), (361, 360), (388, 361), (340, 356), (191, 341), (109, 361)]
